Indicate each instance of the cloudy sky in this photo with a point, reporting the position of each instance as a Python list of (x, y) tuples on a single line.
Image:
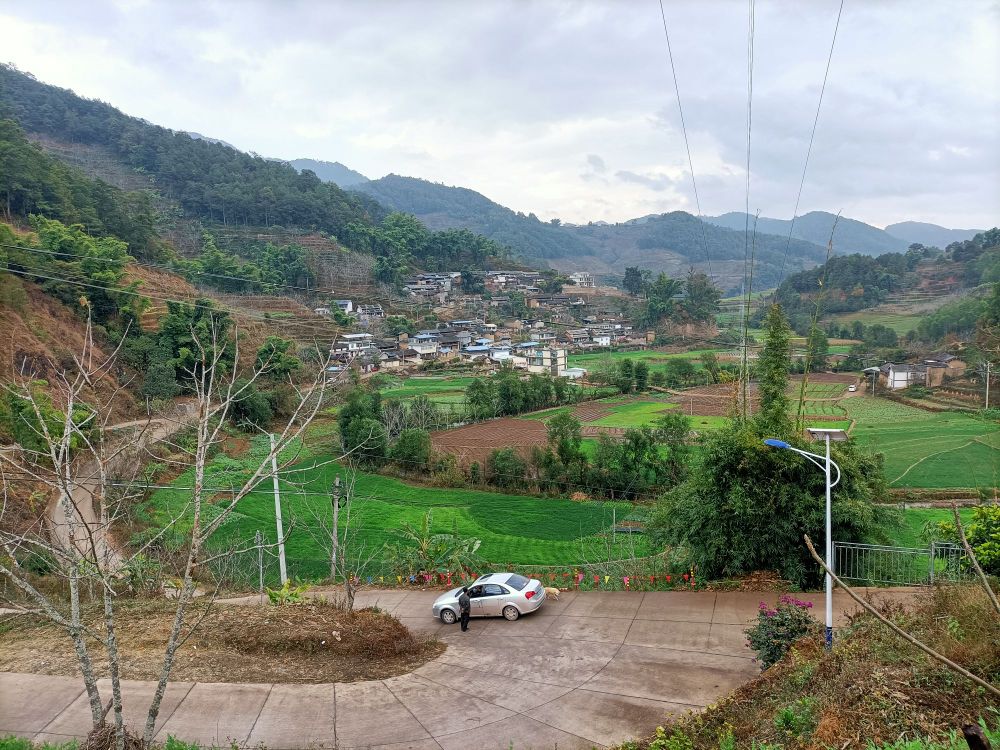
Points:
[(566, 108)]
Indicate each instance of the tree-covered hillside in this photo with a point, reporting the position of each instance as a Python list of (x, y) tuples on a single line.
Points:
[(208, 180), (851, 236), (441, 207)]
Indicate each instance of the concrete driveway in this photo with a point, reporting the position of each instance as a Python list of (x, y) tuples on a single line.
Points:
[(589, 670)]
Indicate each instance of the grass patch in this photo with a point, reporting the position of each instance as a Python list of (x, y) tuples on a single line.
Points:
[(650, 357), (633, 414)]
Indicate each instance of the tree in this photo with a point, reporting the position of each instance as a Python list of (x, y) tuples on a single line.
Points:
[(641, 376), (626, 376), (91, 493), (505, 468), (634, 281), (251, 411), (701, 297), (745, 507), (772, 374), (678, 371), (673, 430), (710, 363), (394, 325), (364, 441), (412, 450), (420, 550), (817, 349), (565, 437), (275, 360)]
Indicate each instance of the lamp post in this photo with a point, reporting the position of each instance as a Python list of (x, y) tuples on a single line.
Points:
[(818, 433)]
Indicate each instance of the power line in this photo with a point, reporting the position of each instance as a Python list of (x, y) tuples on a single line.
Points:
[(812, 136), (687, 145)]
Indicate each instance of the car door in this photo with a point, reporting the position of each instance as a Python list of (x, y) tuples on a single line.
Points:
[(493, 599), (476, 598)]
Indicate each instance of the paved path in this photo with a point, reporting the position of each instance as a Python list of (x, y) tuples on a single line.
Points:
[(589, 670)]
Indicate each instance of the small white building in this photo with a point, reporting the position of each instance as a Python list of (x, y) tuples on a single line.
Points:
[(583, 278), (353, 342)]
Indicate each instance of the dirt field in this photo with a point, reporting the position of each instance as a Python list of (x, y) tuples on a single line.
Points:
[(295, 643), (591, 410), (475, 442), (712, 400)]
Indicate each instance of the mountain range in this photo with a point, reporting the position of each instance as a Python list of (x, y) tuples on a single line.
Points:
[(931, 235), (213, 182)]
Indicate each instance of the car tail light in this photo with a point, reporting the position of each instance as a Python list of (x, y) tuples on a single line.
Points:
[(529, 594)]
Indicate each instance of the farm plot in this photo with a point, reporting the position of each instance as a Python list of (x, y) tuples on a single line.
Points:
[(927, 450), (475, 442), (438, 389), (513, 528), (650, 356)]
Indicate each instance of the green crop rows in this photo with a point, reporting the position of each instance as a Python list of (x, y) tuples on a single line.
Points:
[(928, 450), (513, 528)]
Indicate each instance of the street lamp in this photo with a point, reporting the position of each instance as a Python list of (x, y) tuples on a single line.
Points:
[(819, 433)]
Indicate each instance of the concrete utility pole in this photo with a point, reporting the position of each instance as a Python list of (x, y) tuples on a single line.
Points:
[(988, 363), (277, 514), (334, 532)]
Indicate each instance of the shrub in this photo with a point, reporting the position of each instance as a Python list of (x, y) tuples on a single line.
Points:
[(412, 450), (777, 629), (289, 593)]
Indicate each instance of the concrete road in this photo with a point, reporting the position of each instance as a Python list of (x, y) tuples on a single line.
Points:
[(587, 671)]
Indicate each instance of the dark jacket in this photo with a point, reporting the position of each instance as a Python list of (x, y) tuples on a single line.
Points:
[(464, 602)]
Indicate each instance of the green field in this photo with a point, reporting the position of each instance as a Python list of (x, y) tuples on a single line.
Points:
[(825, 408), (633, 414), (914, 519), (927, 450), (650, 357), (899, 322), (513, 528), (819, 390), (441, 389)]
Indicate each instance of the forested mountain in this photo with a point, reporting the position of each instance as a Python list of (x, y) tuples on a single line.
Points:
[(330, 171), (930, 234), (851, 236), (669, 242), (855, 282), (208, 180), (443, 207)]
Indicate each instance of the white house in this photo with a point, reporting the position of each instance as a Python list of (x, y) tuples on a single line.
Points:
[(353, 342), (346, 306), (582, 278), (601, 339), (896, 377)]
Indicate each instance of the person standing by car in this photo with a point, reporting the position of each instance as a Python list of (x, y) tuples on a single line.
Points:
[(464, 605)]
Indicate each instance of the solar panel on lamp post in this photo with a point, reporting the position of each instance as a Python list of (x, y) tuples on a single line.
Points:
[(826, 435)]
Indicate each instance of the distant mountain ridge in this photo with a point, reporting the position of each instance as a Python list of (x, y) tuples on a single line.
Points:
[(330, 171), (931, 235), (671, 242), (851, 235)]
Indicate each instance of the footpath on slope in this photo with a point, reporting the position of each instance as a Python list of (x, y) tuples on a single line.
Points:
[(590, 669)]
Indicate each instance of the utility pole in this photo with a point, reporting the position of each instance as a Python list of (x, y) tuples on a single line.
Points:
[(335, 532), (988, 365), (277, 514)]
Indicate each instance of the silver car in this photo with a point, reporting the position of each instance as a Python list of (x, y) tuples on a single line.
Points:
[(493, 595)]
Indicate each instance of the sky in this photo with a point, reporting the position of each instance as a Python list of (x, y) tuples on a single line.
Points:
[(567, 108)]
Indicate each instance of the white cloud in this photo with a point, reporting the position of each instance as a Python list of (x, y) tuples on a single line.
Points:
[(565, 108)]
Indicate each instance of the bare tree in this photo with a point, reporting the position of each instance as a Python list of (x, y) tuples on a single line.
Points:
[(68, 450), (336, 530)]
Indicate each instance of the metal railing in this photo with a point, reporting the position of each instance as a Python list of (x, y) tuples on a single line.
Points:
[(874, 564)]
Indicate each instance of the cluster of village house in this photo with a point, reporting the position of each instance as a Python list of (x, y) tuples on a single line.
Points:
[(524, 344), (931, 371), (531, 344)]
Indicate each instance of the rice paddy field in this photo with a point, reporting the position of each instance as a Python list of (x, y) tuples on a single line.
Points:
[(514, 529), (928, 450)]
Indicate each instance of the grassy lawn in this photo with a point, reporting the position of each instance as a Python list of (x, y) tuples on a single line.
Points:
[(927, 450), (513, 528)]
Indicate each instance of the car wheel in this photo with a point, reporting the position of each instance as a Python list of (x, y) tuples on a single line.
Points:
[(448, 617), (511, 613)]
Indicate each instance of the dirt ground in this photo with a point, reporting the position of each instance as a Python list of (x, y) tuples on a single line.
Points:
[(475, 442), (309, 643)]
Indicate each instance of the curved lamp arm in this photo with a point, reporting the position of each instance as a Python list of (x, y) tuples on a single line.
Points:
[(816, 458)]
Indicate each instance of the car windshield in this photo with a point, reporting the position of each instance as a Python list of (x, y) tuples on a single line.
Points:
[(517, 582)]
